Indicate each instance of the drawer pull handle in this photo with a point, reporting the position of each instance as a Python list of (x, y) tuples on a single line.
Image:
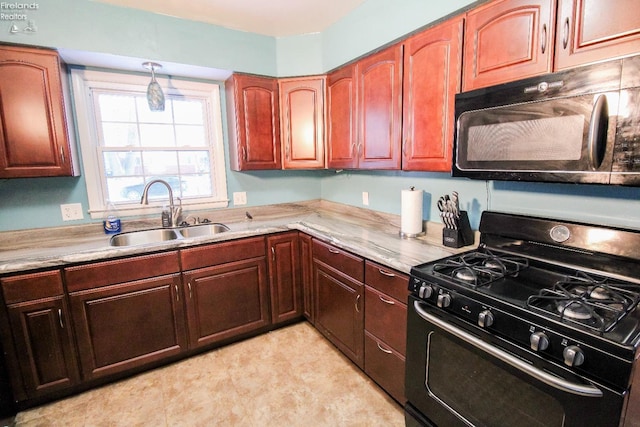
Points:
[(543, 42), (383, 349), (190, 294), (60, 318), (565, 34), (386, 273), (387, 301), (357, 303), (177, 293), (273, 253), (334, 251)]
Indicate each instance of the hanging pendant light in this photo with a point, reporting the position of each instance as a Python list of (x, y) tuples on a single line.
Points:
[(155, 97)]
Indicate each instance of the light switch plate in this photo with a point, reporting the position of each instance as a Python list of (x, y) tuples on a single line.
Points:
[(239, 198), (365, 198), (71, 211)]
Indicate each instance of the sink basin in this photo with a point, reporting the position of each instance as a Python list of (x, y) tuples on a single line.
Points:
[(144, 237), (160, 235), (203, 230)]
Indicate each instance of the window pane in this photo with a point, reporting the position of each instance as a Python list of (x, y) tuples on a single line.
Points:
[(157, 135), (160, 162), (145, 115), (194, 162), (197, 185), (125, 189), (190, 136), (121, 163), (119, 135), (188, 111), (117, 108)]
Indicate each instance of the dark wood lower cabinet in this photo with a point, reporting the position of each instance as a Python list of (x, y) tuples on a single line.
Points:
[(44, 341), (128, 325), (284, 277), (38, 342), (385, 366), (339, 310), (226, 300)]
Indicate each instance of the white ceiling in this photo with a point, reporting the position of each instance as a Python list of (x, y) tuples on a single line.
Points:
[(278, 18)]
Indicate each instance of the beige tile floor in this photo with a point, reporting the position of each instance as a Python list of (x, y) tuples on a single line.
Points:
[(288, 377)]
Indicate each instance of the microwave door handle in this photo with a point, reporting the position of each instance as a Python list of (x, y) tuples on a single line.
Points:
[(598, 128), (552, 380)]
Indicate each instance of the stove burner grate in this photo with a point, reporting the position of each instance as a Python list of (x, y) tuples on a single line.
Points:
[(596, 303), (480, 268)]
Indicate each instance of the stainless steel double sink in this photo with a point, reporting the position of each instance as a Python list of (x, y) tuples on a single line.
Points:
[(158, 235)]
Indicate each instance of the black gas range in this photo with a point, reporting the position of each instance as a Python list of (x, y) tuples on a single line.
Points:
[(539, 325)]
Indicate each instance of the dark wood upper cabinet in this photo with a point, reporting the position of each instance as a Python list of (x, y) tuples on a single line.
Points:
[(379, 110), (253, 122), (594, 30), (432, 75), (34, 139), (508, 40), (341, 118), (302, 122)]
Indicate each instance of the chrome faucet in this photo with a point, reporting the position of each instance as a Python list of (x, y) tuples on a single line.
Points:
[(175, 212)]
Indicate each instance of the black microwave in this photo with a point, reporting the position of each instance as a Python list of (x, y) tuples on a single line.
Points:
[(580, 125)]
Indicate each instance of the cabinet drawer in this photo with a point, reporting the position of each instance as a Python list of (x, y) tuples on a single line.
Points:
[(27, 287), (221, 253), (385, 366), (351, 265), (121, 270), (386, 318), (388, 281)]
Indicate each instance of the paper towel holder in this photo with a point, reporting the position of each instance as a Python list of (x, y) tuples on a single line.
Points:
[(405, 235)]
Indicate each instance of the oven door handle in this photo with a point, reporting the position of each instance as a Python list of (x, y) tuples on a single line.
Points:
[(552, 380)]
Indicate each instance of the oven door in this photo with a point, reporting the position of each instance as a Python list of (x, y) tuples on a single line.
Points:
[(462, 376)]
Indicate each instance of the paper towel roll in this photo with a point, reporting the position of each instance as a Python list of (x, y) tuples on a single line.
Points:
[(411, 213)]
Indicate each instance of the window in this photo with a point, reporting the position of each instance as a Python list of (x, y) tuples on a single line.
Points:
[(125, 145)]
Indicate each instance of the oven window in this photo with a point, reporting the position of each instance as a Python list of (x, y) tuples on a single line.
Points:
[(481, 392)]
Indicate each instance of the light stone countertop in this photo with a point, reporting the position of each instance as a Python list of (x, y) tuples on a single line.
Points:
[(370, 234)]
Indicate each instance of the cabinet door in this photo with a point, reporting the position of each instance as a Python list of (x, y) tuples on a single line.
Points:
[(226, 301), (306, 268), (44, 359), (33, 130), (254, 123), (302, 122), (339, 310), (507, 40), (341, 118), (284, 277), (44, 345), (379, 114), (432, 74), (128, 325), (594, 30)]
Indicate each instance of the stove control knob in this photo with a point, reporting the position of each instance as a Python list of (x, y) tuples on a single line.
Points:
[(539, 341), (444, 300), (573, 356), (485, 319), (425, 291)]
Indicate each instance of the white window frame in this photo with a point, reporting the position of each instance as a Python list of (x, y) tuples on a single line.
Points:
[(85, 81)]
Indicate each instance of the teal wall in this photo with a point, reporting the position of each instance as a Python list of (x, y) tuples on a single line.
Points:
[(86, 25)]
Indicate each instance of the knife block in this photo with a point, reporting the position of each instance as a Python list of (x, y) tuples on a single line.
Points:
[(462, 236)]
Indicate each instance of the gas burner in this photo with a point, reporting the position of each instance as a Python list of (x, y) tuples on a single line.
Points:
[(480, 268), (597, 303)]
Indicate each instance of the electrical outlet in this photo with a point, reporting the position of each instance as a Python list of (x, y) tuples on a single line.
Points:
[(71, 211), (365, 198), (239, 198)]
